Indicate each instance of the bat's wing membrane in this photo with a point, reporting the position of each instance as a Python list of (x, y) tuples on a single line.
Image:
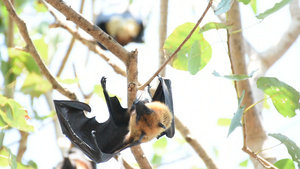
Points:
[(78, 128), (102, 141), (163, 94)]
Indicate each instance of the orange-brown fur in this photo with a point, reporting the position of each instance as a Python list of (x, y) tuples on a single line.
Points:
[(149, 123)]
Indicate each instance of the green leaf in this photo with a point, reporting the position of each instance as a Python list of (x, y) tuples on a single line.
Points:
[(21, 60), (7, 158), (244, 163), (194, 60), (35, 85), (253, 6), (285, 164), (213, 25), (14, 114), (68, 81), (275, 8), (156, 159), (236, 120), (159, 150), (194, 54), (245, 2), (99, 91), (235, 77), (292, 147), (223, 7), (224, 122), (40, 7), (284, 97), (160, 144), (42, 48)]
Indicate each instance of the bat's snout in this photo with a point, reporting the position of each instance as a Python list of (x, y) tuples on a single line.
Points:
[(141, 109)]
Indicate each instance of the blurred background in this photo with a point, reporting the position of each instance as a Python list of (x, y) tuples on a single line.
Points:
[(199, 100)]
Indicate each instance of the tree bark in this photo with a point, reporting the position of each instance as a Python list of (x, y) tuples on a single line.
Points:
[(255, 132)]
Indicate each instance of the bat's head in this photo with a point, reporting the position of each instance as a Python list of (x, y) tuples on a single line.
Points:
[(149, 120), (124, 28)]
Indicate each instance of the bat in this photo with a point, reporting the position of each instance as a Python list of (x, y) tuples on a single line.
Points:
[(123, 27), (75, 159), (147, 118)]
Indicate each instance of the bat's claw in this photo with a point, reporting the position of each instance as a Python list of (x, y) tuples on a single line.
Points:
[(103, 82)]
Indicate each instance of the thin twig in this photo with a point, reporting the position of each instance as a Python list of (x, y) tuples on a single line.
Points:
[(66, 57), (92, 47), (32, 50), (178, 49)]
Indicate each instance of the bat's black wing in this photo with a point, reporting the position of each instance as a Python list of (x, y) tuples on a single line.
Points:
[(163, 94), (99, 141), (102, 141)]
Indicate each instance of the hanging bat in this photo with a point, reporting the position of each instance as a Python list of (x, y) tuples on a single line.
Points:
[(75, 159), (147, 118), (123, 27)]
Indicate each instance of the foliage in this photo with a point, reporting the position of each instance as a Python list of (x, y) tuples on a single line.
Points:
[(236, 120), (235, 77), (196, 52), (12, 114), (223, 7), (292, 147), (284, 97), (20, 68), (275, 8), (285, 164)]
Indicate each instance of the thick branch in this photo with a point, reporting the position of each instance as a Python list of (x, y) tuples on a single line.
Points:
[(32, 50), (254, 134), (185, 132), (237, 55), (132, 80), (106, 40), (162, 32)]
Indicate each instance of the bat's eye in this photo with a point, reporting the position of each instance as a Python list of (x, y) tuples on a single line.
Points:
[(161, 125)]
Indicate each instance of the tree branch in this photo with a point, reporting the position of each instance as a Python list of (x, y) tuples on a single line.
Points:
[(132, 81), (107, 41), (89, 43), (162, 32), (22, 145), (32, 50), (253, 131), (92, 46), (275, 52)]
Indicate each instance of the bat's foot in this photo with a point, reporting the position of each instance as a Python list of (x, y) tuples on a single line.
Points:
[(103, 82)]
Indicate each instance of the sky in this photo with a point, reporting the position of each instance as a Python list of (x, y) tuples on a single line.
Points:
[(215, 96)]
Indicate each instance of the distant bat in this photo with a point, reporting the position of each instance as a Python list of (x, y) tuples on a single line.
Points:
[(123, 27), (147, 118)]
